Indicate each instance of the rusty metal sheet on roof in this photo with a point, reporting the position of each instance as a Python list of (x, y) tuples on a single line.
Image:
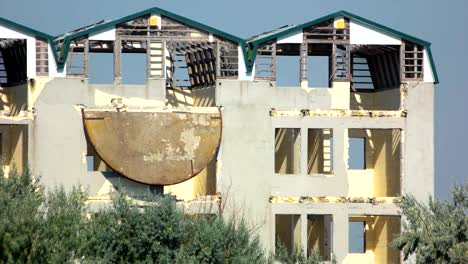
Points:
[(156, 147)]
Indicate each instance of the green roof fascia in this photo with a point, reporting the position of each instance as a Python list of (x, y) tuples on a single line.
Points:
[(253, 45), (25, 29), (49, 38), (110, 24)]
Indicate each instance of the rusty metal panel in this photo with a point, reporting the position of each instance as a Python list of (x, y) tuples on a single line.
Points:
[(158, 147)]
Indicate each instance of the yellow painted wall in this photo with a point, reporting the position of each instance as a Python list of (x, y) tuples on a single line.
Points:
[(14, 99), (381, 178), (380, 231), (387, 153), (201, 97), (205, 181), (382, 100), (361, 182), (14, 146)]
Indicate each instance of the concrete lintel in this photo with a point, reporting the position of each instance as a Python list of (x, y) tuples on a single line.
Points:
[(7, 120), (333, 208), (339, 122)]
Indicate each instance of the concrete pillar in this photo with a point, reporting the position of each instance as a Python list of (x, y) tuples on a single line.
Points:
[(303, 151), (340, 236)]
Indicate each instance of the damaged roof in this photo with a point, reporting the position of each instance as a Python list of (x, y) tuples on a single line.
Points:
[(100, 26), (249, 46), (254, 41)]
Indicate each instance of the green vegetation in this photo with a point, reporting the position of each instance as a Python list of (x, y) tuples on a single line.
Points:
[(436, 232), (58, 227)]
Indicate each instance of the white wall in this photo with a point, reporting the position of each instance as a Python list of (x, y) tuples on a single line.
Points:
[(9, 33), (365, 35), (108, 35), (428, 75), (295, 37)]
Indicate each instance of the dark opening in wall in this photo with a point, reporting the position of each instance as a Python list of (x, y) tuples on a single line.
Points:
[(320, 235), (375, 82), (13, 64), (288, 232), (101, 68), (287, 150)]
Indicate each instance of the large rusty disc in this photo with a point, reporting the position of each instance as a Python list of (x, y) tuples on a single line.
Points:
[(158, 147)]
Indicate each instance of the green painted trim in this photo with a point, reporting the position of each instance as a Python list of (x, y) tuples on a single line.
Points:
[(293, 29), (36, 33), (113, 23), (26, 29)]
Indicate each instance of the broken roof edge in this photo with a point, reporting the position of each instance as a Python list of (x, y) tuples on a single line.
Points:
[(254, 41), (100, 27)]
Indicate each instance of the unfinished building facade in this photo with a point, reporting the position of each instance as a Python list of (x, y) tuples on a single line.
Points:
[(310, 132)]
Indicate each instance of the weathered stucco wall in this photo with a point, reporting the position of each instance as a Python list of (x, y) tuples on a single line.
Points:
[(249, 143), (244, 172)]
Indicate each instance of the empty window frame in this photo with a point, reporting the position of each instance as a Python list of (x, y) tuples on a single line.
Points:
[(320, 151), (413, 56), (378, 152), (357, 236), (42, 57), (320, 235), (3, 73), (357, 153), (179, 77), (288, 65), (13, 62), (370, 237), (287, 150), (361, 74), (77, 58), (318, 71), (288, 232), (134, 69), (265, 62)]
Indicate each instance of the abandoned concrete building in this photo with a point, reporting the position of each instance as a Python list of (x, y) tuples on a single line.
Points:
[(310, 132)]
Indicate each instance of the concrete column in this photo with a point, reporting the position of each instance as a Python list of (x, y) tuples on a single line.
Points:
[(303, 65), (340, 154), (303, 151), (117, 60), (340, 236)]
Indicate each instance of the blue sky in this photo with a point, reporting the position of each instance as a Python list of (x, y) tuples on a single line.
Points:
[(441, 22)]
